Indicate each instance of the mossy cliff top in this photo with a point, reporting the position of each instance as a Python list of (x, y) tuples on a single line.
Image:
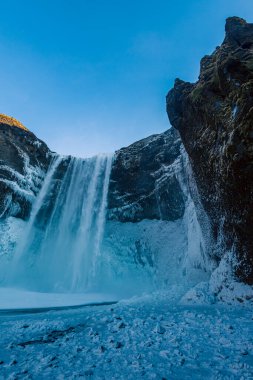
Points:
[(5, 119)]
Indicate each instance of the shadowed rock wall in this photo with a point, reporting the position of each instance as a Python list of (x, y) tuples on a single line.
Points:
[(214, 117), (143, 182)]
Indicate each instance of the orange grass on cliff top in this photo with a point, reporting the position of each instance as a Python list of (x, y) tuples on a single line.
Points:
[(5, 119)]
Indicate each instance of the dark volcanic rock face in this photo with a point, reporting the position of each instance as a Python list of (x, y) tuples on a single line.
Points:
[(143, 180), (23, 162), (215, 120)]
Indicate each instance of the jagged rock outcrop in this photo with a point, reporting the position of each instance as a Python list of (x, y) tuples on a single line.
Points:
[(24, 159), (143, 181), (143, 185), (214, 117)]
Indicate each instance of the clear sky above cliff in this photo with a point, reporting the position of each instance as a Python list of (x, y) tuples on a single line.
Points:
[(91, 76)]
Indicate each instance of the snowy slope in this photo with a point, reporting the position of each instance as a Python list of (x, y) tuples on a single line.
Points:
[(146, 338)]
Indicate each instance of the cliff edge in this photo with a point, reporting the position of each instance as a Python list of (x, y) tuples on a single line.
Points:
[(214, 117), (24, 160)]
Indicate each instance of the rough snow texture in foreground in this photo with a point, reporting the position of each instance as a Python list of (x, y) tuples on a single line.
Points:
[(148, 338)]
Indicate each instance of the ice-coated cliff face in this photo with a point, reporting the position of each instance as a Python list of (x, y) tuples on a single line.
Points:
[(24, 160), (144, 183), (214, 117)]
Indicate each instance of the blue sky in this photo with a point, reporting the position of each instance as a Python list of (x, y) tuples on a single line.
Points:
[(90, 76)]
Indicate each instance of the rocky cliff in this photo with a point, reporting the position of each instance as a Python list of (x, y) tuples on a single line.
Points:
[(24, 159), (144, 183), (214, 117)]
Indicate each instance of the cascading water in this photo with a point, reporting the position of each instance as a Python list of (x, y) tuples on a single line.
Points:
[(66, 246), (60, 249)]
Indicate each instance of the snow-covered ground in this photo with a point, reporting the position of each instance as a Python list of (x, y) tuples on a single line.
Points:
[(150, 337)]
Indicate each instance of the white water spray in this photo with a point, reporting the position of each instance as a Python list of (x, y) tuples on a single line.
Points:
[(62, 243), (35, 209)]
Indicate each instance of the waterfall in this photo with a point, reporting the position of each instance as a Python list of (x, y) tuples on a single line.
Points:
[(66, 246), (61, 248)]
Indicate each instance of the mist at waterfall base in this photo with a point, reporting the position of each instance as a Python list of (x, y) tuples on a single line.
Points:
[(67, 246)]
